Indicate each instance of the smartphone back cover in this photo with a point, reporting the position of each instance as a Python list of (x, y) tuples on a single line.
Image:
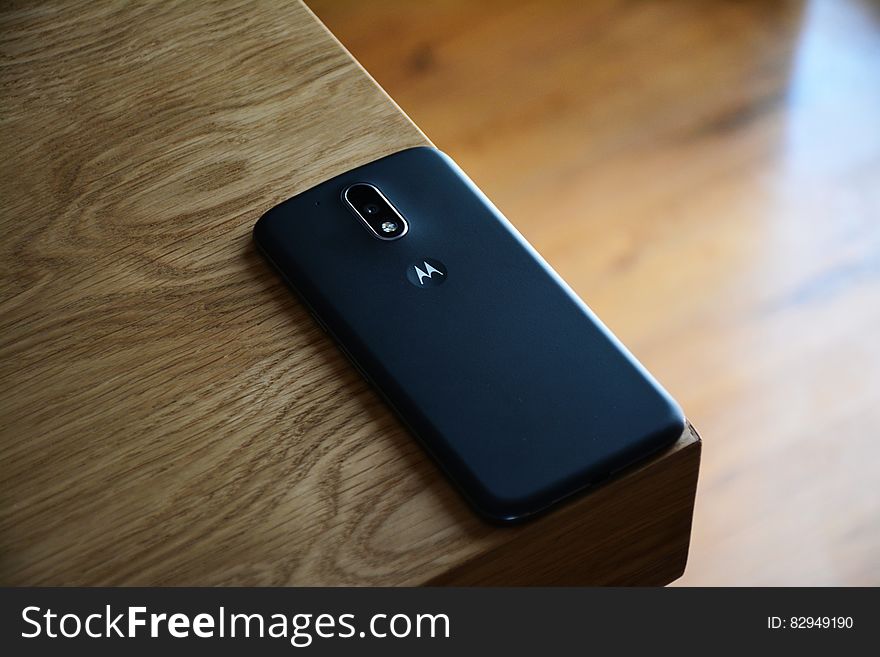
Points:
[(503, 373)]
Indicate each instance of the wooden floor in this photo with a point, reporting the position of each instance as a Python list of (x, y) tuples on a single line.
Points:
[(707, 177)]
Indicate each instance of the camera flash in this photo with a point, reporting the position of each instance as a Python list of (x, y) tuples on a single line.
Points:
[(389, 226)]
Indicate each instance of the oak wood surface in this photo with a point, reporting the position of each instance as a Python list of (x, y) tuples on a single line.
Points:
[(706, 175), (169, 413)]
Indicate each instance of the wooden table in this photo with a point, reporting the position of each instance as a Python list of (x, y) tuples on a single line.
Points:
[(170, 415)]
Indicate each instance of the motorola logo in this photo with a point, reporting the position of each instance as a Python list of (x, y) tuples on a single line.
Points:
[(426, 273)]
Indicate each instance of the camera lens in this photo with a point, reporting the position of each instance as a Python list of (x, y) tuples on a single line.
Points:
[(376, 212)]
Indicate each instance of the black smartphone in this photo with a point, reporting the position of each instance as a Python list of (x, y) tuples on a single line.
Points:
[(519, 392)]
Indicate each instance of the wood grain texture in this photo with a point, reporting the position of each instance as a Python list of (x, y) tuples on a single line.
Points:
[(170, 415), (706, 175)]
